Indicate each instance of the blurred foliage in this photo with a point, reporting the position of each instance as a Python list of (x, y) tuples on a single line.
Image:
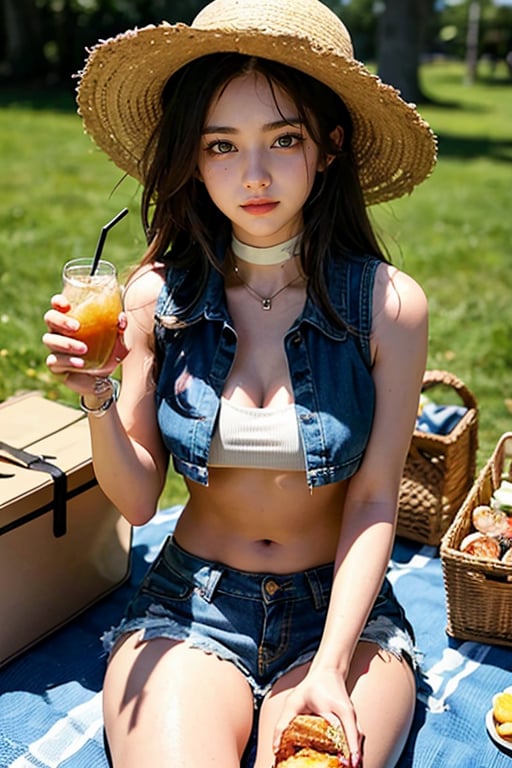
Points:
[(63, 29), (495, 38), (45, 40)]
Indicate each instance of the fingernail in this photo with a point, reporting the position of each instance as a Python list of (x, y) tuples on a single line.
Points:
[(355, 760)]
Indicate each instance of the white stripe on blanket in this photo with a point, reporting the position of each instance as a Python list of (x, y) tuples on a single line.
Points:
[(468, 657), (65, 738)]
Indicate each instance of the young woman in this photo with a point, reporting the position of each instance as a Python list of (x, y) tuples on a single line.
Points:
[(272, 351)]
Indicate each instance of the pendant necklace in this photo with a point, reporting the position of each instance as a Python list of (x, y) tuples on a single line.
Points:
[(265, 301)]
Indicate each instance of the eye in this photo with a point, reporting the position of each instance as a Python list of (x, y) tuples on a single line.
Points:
[(288, 140), (221, 147)]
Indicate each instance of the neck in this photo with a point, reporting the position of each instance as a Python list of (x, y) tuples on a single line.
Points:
[(274, 254)]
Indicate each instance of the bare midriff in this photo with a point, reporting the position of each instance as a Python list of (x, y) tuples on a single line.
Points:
[(261, 520)]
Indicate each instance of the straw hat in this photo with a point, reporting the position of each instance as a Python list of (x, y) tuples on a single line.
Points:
[(121, 84)]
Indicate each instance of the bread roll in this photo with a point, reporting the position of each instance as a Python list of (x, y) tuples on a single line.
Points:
[(310, 741)]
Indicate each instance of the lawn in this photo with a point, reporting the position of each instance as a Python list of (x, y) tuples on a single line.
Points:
[(453, 234)]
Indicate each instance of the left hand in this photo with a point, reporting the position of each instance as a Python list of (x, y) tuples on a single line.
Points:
[(65, 358), (323, 692)]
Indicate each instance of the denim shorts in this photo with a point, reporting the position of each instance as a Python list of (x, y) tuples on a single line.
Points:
[(265, 624)]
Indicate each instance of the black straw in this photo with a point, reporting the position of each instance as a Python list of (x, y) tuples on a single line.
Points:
[(102, 237)]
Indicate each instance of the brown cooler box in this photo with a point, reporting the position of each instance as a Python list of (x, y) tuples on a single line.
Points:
[(63, 545)]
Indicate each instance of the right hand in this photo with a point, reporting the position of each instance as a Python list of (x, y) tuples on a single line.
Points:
[(323, 692), (65, 360)]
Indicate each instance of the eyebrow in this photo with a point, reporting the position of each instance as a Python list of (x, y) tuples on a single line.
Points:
[(288, 122)]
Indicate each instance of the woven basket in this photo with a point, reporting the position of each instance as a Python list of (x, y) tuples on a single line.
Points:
[(439, 470), (478, 592)]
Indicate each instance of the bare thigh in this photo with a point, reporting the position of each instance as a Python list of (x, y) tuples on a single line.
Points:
[(168, 704), (383, 692)]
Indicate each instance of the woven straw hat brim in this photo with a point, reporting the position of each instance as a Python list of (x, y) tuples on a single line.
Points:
[(120, 90)]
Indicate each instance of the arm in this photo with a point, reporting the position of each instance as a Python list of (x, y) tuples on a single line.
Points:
[(368, 526), (129, 458), (369, 514)]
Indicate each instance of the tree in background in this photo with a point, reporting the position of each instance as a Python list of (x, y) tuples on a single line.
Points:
[(401, 41), (394, 34), (22, 45)]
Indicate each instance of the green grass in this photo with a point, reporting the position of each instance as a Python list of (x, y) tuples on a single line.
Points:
[(453, 234)]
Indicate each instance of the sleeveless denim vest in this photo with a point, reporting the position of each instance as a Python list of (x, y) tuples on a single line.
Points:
[(330, 370)]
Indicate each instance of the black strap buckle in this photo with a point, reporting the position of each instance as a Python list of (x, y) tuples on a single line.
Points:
[(41, 464)]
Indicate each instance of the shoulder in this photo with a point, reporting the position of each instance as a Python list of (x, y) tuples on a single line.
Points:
[(143, 286), (400, 316), (141, 293), (397, 298)]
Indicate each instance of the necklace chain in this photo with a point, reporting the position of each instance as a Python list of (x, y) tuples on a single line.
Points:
[(265, 301)]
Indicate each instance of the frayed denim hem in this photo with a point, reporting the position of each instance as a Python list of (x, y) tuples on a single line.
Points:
[(154, 628), (398, 642), (381, 631)]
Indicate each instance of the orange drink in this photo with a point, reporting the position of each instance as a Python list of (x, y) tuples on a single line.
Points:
[(96, 303)]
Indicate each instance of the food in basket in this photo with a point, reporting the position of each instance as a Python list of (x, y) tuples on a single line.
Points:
[(480, 545), (310, 741), (502, 713), (493, 522)]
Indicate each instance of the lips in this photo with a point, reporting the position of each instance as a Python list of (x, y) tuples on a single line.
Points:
[(259, 207)]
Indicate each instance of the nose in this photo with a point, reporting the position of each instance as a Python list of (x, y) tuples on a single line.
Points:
[(256, 174)]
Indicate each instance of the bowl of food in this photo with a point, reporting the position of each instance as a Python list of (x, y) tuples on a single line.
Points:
[(499, 720)]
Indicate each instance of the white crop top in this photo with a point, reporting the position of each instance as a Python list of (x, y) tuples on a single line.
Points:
[(257, 438)]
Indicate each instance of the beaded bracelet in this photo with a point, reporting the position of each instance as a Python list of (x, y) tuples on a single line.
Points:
[(103, 408)]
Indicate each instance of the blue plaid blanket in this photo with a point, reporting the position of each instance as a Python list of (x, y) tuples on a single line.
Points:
[(50, 697)]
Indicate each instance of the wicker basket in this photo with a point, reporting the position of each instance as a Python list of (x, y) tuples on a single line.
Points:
[(439, 470), (478, 591)]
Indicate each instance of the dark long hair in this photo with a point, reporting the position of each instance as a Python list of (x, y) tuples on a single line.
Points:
[(181, 221)]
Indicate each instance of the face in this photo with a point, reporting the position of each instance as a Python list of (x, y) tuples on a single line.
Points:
[(257, 161)]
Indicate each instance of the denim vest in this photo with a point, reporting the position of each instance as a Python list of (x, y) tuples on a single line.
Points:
[(330, 370)]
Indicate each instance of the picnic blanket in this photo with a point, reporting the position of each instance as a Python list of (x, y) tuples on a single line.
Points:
[(50, 697)]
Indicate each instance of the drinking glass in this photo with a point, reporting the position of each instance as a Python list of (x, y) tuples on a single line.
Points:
[(96, 303)]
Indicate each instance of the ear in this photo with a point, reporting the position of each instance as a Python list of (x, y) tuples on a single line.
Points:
[(337, 140), (197, 175)]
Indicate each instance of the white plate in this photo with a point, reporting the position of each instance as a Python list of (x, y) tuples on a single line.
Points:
[(504, 744)]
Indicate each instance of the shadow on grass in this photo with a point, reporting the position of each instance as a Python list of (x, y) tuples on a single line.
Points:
[(38, 98), (495, 82), (471, 147)]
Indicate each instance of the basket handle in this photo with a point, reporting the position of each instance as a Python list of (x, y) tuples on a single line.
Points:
[(500, 454), (434, 377)]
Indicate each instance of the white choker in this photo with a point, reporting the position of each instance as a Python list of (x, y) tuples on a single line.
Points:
[(275, 254)]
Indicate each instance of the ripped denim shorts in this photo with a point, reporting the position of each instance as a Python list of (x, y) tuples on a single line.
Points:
[(266, 624)]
